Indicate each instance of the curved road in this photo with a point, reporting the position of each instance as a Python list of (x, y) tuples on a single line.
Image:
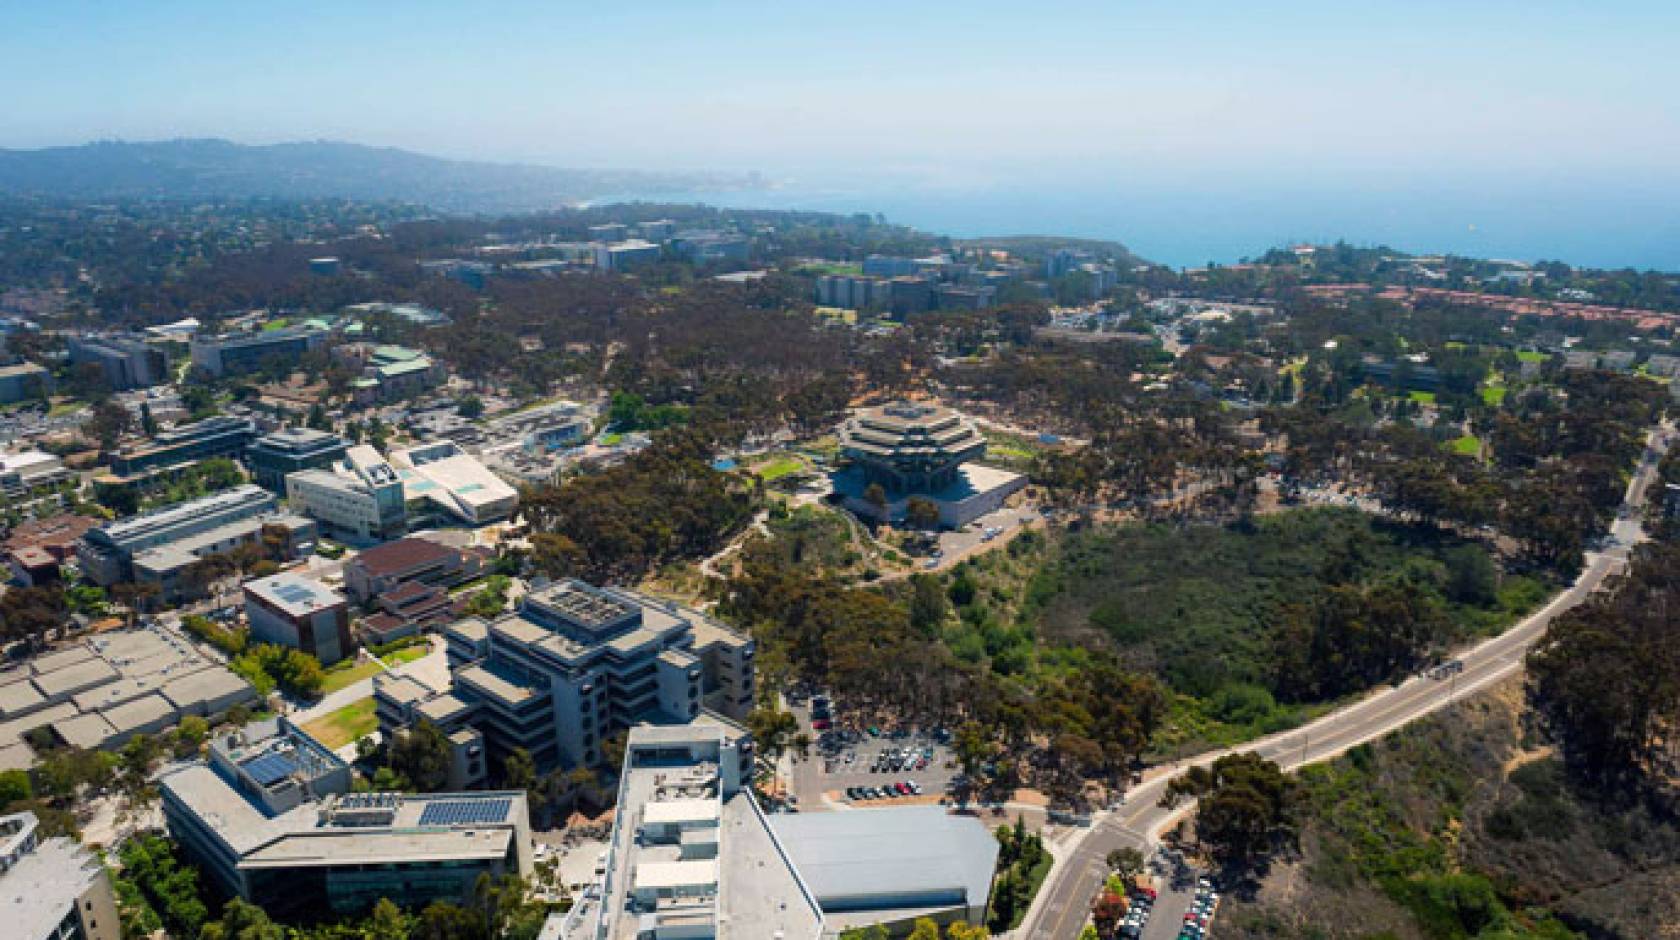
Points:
[(1061, 907)]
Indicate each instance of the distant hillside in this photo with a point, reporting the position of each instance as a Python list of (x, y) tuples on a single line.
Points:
[(192, 169)]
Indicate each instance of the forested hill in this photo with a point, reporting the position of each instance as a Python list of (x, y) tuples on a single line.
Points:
[(193, 169)]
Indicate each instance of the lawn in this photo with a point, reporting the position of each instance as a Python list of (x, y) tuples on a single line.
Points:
[(774, 470), (407, 654), (611, 439), (1494, 395), (1529, 355), (345, 725), (837, 267), (349, 672), (1423, 398), (60, 409), (848, 317), (1469, 445)]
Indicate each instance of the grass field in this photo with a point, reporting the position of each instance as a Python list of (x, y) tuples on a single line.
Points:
[(609, 440), (348, 672), (60, 409), (1470, 445), (1494, 394), (1529, 355), (837, 267), (1423, 398), (345, 725), (773, 470), (407, 654)]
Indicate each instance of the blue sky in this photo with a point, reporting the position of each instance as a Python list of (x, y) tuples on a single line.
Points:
[(950, 93)]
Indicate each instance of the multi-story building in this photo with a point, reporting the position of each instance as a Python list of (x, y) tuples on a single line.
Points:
[(108, 551), (702, 246), (576, 664), (888, 267), (391, 373), (446, 477), (360, 501), (269, 819), (300, 613), (912, 294), (23, 471), (156, 547), (243, 352), (24, 381), (911, 449), (288, 450), (657, 230), (407, 609), (626, 255), (1062, 261), (1102, 278), (853, 293), (609, 232), (693, 855), (221, 436), (383, 567), (126, 361), (962, 297), (52, 889)]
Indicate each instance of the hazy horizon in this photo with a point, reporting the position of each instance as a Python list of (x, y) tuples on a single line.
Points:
[(1404, 107)]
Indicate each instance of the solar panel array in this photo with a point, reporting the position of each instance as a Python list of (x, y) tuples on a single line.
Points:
[(269, 769), (465, 812), (294, 593)]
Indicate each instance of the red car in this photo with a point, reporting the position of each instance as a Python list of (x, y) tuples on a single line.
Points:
[(902, 788)]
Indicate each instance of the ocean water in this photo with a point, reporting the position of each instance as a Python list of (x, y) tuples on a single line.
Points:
[(1610, 223)]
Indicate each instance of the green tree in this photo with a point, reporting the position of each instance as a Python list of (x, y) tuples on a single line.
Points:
[(387, 922), (14, 786), (876, 495), (107, 424), (1246, 805), (243, 921), (169, 886), (190, 735), (519, 771), (921, 512), (924, 929), (421, 756), (1126, 862), (928, 605)]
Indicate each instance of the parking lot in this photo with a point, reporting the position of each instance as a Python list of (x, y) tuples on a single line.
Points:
[(1183, 892), (990, 530), (843, 763)]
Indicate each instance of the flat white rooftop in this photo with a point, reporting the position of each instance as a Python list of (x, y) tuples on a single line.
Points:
[(681, 811)]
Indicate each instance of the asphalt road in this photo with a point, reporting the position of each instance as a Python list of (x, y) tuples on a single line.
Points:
[(1064, 901)]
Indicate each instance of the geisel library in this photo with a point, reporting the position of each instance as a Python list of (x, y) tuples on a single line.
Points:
[(916, 449)]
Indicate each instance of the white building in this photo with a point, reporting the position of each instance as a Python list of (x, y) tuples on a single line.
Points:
[(23, 471), (454, 481), (360, 500), (625, 255), (52, 889)]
